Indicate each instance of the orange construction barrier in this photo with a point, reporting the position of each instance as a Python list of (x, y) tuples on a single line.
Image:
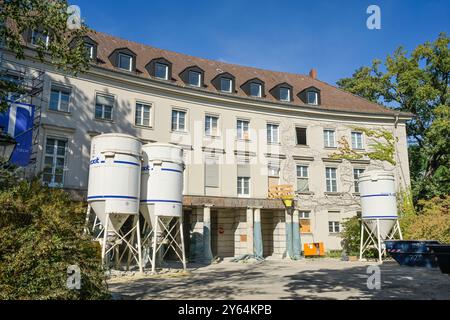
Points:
[(314, 249)]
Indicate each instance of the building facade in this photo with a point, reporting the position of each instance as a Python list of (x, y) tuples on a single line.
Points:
[(242, 129)]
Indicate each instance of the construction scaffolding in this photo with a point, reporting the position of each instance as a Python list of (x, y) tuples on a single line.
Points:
[(30, 84)]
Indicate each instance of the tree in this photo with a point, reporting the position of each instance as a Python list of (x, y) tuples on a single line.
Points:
[(49, 17), (417, 83)]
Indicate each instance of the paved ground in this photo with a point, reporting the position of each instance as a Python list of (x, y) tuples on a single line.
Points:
[(274, 279)]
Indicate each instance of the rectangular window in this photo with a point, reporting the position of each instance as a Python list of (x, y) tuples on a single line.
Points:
[(357, 140), (142, 116), (329, 139), (211, 126), (255, 90), (225, 85), (125, 62), (89, 50), (331, 179), (161, 71), (195, 78), (178, 120), (243, 186), (273, 173), (54, 162), (285, 94), (242, 129), (313, 98), (211, 173), (301, 136), (305, 221), (302, 179), (272, 133), (356, 174), (38, 37), (59, 99), (243, 178), (104, 106), (334, 226)]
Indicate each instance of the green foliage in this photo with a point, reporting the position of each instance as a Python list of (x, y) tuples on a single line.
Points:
[(351, 235), (431, 223), (49, 17), (383, 150), (40, 236), (417, 83)]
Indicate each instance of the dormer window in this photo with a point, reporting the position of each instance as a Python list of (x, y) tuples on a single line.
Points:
[(195, 78), (161, 71), (224, 82), (38, 37), (226, 85), (285, 94), (313, 98), (125, 62), (89, 50), (255, 89)]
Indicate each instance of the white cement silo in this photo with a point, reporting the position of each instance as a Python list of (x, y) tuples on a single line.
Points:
[(114, 183), (378, 206), (162, 181), (162, 196)]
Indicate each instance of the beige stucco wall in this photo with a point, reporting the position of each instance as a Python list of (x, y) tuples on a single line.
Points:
[(79, 125)]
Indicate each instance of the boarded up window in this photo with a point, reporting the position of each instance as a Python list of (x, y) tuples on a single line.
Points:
[(305, 225), (243, 170), (211, 173)]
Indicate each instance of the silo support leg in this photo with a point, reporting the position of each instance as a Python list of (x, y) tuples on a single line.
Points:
[(105, 237), (182, 243), (362, 241), (155, 235), (138, 236), (380, 257)]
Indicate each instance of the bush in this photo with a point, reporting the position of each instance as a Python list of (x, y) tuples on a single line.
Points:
[(351, 238), (432, 222), (40, 236)]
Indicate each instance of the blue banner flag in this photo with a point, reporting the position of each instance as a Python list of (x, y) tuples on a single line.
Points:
[(17, 121)]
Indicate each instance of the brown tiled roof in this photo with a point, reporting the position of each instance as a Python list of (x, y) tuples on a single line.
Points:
[(332, 98)]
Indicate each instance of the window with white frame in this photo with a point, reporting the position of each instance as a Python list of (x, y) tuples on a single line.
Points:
[(334, 226), (357, 140), (272, 133), (285, 94), (302, 178), (38, 37), (243, 186), (357, 172), (178, 120), (142, 115), (125, 62), (329, 139), (161, 71), (305, 221), (331, 179), (242, 129), (313, 98), (195, 78), (54, 162), (255, 89), (226, 85), (89, 50), (243, 178), (104, 106), (59, 99), (211, 126)]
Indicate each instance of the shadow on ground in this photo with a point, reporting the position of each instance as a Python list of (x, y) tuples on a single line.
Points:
[(289, 280)]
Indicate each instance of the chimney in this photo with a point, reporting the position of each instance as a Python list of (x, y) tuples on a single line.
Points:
[(313, 73)]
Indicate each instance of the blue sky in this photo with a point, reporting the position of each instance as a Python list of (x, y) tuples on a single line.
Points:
[(292, 36)]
